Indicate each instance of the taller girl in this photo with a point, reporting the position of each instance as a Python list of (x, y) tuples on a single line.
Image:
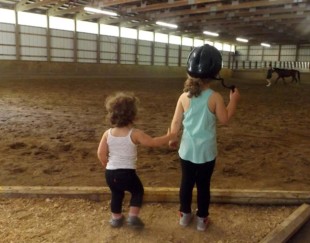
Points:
[(196, 113)]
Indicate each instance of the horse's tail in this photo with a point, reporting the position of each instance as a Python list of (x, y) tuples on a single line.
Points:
[(298, 73)]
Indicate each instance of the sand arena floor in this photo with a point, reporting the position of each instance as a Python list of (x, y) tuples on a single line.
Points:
[(50, 130)]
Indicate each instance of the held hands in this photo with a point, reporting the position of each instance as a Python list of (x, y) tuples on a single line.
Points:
[(173, 144)]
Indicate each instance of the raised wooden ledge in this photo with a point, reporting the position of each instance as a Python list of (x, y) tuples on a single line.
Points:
[(161, 194), (284, 231)]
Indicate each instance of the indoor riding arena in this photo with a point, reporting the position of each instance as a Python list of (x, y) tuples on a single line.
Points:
[(60, 59)]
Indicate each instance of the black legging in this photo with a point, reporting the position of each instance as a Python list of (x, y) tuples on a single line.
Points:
[(199, 174), (122, 180)]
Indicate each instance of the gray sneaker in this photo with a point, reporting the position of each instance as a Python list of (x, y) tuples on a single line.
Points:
[(116, 223), (202, 223), (185, 219), (135, 222)]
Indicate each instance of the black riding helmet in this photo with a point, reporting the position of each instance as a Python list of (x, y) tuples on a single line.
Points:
[(204, 62)]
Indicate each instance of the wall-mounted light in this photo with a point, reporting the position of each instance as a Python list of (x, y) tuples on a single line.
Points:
[(265, 44), (210, 33), (95, 10), (241, 39), (174, 26)]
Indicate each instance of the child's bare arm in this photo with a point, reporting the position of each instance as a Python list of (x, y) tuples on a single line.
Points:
[(222, 112), (140, 137), (177, 119), (102, 151), (176, 124)]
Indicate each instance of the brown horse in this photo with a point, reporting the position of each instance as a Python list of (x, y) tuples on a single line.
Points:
[(282, 73)]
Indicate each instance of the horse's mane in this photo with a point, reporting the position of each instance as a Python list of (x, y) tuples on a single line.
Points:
[(279, 69)]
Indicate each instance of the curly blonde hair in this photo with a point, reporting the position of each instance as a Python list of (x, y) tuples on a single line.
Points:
[(194, 85), (122, 108)]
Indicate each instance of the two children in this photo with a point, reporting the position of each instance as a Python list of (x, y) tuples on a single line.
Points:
[(196, 113)]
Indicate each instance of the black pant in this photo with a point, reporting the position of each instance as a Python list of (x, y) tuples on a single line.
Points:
[(199, 174), (122, 180)]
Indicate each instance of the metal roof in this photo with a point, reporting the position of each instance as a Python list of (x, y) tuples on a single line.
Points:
[(271, 21)]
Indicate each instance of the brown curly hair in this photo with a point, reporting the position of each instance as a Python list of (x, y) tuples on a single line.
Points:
[(122, 108), (194, 86)]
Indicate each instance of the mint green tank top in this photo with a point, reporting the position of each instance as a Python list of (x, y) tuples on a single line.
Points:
[(198, 142)]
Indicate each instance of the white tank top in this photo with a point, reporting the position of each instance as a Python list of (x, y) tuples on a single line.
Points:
[(122, 152)]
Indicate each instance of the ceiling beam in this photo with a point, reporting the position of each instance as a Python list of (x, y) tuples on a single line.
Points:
[(171, 4), (83, 15), (24, 5), (56, 11), (226, 7), (232, 15), (243, 20), (110, 3)]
